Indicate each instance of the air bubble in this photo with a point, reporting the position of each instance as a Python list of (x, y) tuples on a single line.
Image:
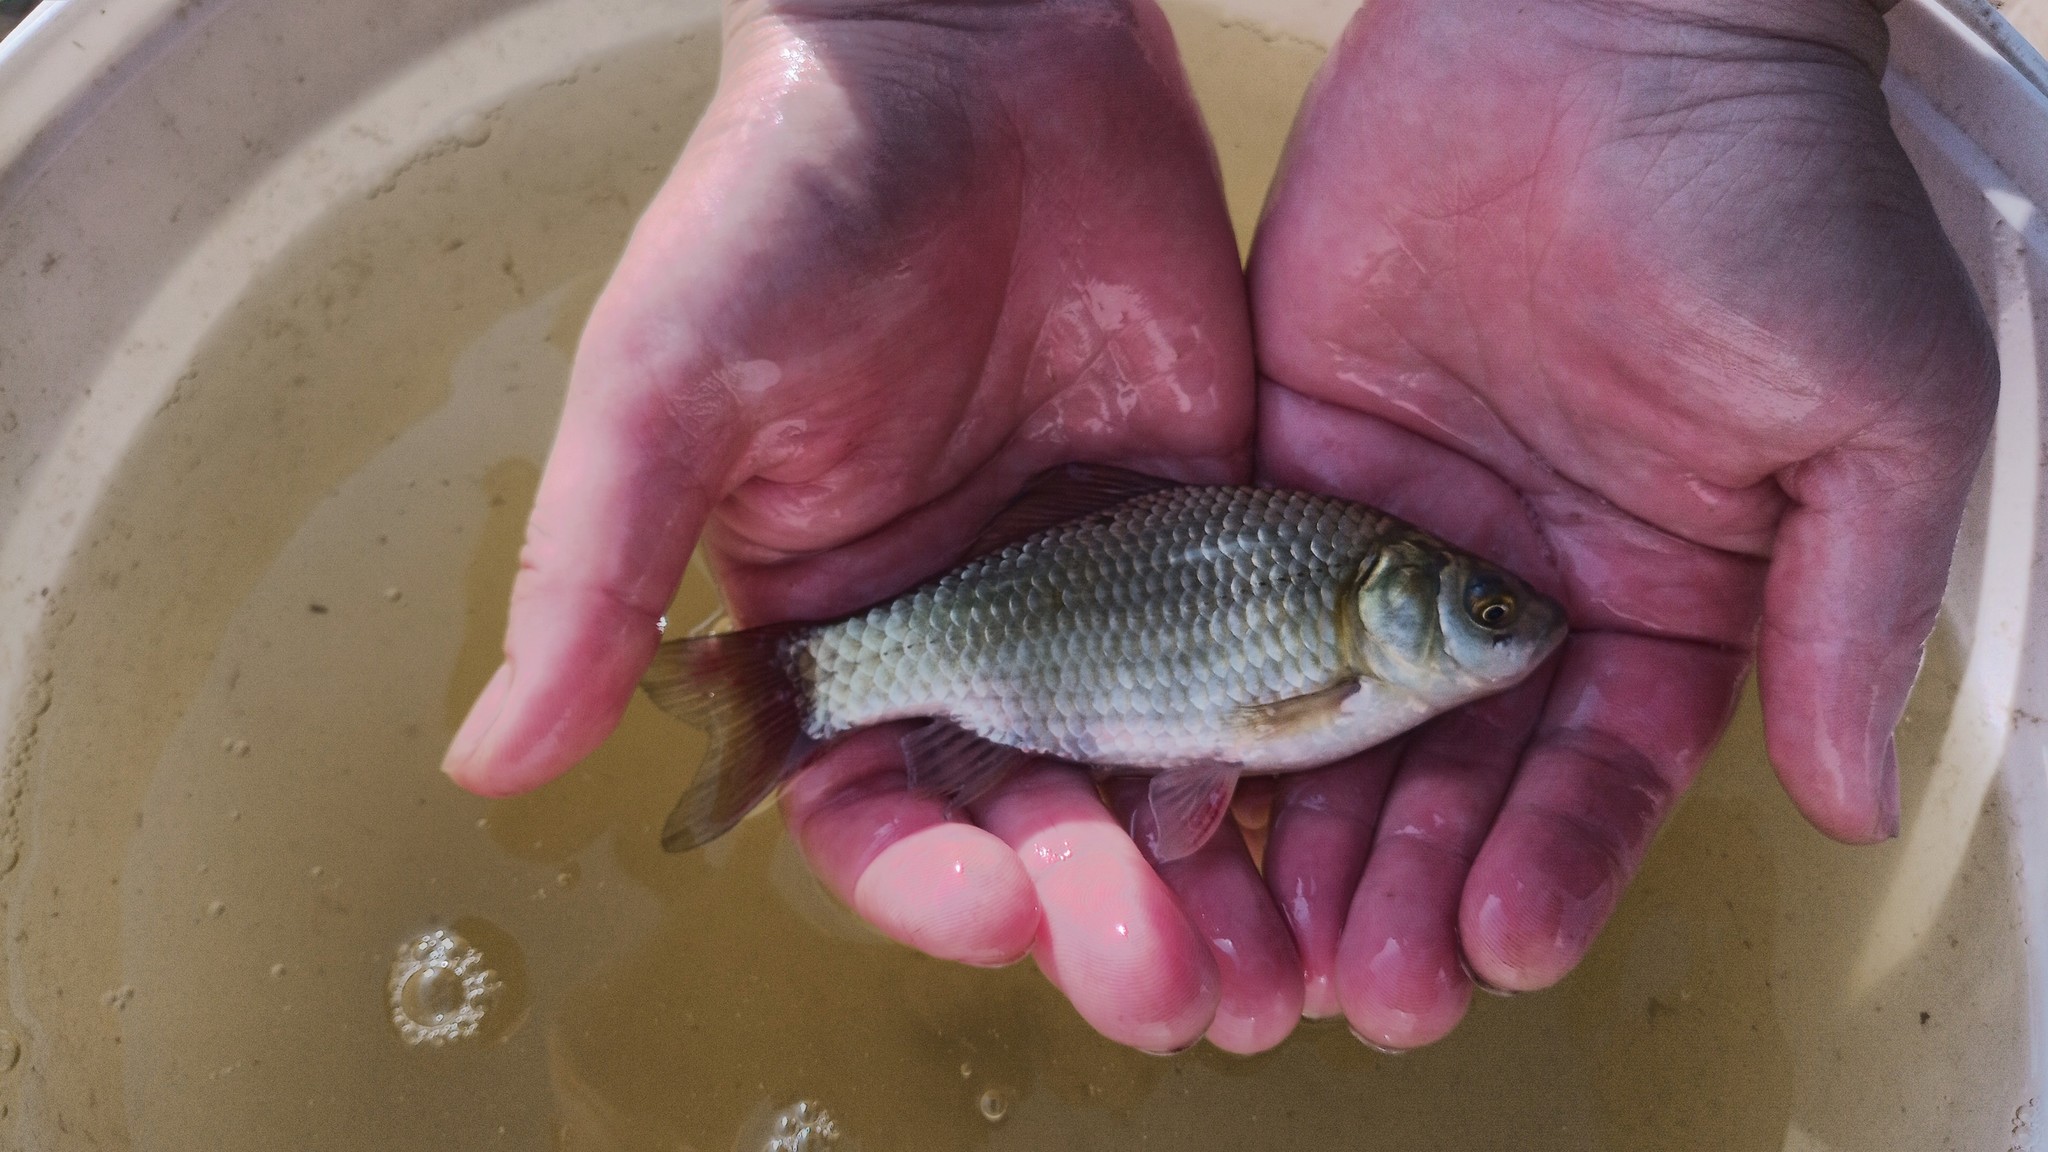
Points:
[(440, 989), (994, 1104)]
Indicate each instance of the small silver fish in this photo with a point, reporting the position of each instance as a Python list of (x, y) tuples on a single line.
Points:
[(1129, 624)]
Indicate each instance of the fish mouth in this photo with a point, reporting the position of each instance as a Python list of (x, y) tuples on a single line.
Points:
[(1553, 629)]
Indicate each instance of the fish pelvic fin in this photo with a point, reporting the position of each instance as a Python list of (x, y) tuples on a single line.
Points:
[(1187, 806), (734, 687)]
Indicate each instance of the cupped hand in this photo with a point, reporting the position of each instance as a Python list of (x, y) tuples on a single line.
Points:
[(1644, 300), (913, 254)]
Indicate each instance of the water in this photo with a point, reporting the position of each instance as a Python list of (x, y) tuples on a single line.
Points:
[(298, 585)]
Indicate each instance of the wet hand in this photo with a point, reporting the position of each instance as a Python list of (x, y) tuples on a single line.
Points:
[(1644, 301), (912, 256)]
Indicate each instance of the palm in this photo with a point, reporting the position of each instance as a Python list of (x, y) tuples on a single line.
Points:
[(906, 298), (1657, 311)]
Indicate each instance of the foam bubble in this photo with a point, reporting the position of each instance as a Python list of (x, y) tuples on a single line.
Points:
[(440, 990)]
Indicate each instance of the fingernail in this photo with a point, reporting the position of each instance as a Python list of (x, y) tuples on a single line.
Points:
[(1888, 790), (1379, 1048), (483, 716), (1480, 983), (1319, 1000), (1172, 1051)]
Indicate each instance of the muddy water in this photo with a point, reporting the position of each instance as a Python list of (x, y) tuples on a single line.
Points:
[(235, 825)]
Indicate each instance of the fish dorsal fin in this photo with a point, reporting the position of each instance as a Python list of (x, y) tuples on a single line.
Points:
[(943, 759), (1187, 805), (1297, 714), (1061, 494)]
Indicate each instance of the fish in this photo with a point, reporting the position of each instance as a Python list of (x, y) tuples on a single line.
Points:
[(1127, 624)]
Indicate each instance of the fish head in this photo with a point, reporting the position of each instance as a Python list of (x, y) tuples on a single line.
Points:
[(1496, 628), (1448, 626)]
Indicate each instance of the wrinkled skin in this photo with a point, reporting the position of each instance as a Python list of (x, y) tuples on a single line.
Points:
[(1639, 299)]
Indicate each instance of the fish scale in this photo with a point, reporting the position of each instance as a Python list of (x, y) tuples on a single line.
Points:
[(1176, 610)]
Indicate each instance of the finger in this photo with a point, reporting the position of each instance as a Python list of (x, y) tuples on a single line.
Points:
[(947, 889), (1852, 596), (1259, 990), (1322, 829), (1400, 976), (1110, 936), (620, 504), (1627, 724)]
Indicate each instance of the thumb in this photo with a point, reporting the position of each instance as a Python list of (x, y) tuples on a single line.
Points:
[(1854, 588), (628, 484)]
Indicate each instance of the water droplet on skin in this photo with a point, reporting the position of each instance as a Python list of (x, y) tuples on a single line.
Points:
[(994, 1104), (393, 595), (10, 1051), (277, 971), (440, 989), (217, 909)]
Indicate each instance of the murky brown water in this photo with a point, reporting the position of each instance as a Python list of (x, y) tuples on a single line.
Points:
[(296, 588)]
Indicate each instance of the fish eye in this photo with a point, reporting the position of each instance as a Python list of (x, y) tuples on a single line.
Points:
[(1489, 603)]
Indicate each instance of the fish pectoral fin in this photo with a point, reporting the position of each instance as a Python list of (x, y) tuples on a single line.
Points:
[(942, 759), (1296, 713), (1187, 804), (1058, 495)]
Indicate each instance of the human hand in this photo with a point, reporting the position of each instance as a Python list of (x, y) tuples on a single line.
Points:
[(913, 254), (1645, 301)]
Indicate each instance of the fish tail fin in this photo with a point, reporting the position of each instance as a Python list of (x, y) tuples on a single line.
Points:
[(733, 687)]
